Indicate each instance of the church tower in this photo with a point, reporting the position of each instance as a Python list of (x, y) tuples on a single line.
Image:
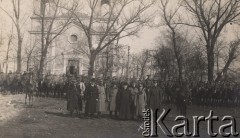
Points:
[(103, 7), (41, 6)]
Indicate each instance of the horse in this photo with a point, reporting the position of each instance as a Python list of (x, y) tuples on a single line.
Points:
[(29, 86)]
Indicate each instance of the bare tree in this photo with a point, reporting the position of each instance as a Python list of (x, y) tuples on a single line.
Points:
[(18, 21), (142, 61), (164, 61), (195, 65), (232, 55), (10, 39), (48, 32), (124, 19), (175, 38), (1, 44), (29, 52), (211, 17)]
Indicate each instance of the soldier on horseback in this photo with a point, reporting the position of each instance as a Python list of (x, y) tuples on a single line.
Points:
[(29, 86)]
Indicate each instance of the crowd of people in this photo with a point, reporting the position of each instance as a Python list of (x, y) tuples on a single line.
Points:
[(122, 99)]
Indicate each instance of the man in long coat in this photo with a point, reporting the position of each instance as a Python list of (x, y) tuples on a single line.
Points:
[(155, 96), (134, 90), (80, 94), (72, 96), (101, 98), (91, 97), (124, 100)]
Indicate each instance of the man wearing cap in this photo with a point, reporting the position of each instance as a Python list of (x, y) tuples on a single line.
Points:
[(91, 97)]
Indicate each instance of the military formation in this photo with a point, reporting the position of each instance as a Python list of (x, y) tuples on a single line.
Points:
[(121, 99)]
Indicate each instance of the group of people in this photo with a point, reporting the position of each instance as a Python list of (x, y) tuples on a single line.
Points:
[(124, 100), (128, 100)]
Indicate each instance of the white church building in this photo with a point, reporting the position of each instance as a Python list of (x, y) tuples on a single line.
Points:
[(69, 51)]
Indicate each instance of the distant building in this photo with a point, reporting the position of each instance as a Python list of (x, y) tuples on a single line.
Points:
[(68, 52)]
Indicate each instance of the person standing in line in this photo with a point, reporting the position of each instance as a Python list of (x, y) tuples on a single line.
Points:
[(141, 101), (148, 84), (79, 95), (72, 98), (82, 86), (101, 98), (113, 96), (124, 102), (91, 97), (134, 91), (155, 96), (180, 99)]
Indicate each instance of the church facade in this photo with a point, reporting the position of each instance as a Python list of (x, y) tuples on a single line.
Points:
[(69, 52)]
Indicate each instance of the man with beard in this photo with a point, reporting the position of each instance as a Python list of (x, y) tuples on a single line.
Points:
[(91, 97)]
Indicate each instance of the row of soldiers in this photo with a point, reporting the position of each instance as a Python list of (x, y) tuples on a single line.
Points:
[(200, 93), (48, 85), (216, 94), (11, 82)]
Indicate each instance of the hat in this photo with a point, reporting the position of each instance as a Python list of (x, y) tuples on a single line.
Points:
[(93, 80), (73, 80)]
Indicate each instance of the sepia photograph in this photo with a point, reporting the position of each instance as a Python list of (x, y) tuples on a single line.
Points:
[(119, 68)]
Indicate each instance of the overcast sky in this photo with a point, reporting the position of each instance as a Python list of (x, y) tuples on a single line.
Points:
[(145, 40)]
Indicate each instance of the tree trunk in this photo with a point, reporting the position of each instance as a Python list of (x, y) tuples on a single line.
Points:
[(225, 69), (28, 60), (42, 60), (19, 57), (19, 50), (142, 72), (177, 56), (210, 58), (91, 65), (41, 66), (180, 76), (6, 67)]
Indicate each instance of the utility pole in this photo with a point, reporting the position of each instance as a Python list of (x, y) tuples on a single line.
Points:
[(107, 63), (1, 43), (128, 64)]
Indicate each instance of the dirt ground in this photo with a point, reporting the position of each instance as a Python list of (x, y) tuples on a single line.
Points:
[(48, 118)]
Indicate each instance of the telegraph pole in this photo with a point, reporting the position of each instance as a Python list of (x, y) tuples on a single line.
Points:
[(128, 64), (1, 43)]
